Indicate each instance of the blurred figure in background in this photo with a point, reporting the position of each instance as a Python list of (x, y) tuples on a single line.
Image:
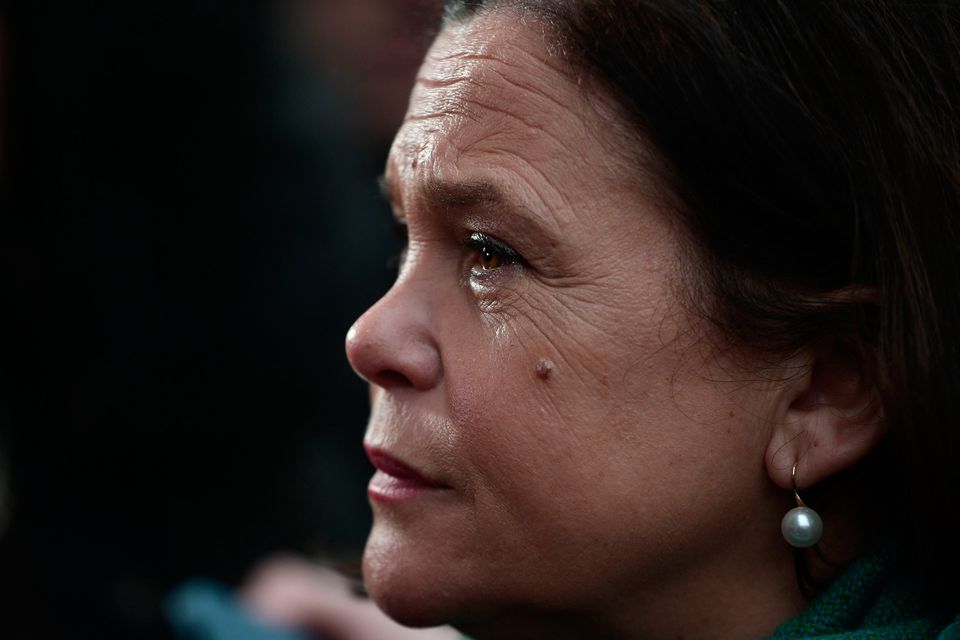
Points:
[(189, 212)]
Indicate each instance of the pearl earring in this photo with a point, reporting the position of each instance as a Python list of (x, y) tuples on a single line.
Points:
[(802, 526)]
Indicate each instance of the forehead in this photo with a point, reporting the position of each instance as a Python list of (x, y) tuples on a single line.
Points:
[(490, 89), (472, 66)]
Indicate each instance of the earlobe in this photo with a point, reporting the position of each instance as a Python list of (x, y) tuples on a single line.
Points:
[(831, 418)]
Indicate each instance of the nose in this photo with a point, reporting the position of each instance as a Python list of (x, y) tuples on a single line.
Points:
[(392, 345)]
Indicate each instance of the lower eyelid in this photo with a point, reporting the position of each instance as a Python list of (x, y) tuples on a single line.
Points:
[(495, 276)]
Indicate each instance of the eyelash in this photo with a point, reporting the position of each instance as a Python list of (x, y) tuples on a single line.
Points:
[(488, 248), (484, 246)]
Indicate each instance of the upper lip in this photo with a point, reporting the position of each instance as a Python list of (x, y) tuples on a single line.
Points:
[(397, 468)]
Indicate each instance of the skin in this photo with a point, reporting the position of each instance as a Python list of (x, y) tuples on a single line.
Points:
[(611, 472)]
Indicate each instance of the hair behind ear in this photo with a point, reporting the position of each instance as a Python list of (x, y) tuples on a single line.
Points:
[(815, 148)]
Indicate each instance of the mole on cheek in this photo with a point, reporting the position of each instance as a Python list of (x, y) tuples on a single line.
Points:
[(544, 368)]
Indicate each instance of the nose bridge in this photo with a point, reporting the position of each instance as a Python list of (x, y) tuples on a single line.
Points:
[(394, 342)]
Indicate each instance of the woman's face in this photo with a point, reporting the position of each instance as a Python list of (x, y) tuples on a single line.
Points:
[(576, 440)]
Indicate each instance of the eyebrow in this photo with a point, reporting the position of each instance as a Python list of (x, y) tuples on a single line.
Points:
[(460, 194), (440, 193), (449, 195)]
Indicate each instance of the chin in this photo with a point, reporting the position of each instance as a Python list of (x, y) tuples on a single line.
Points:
[(421, 580), (415, 595), (407, 583)]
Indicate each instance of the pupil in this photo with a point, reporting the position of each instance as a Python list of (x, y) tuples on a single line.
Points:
[(490, 260)]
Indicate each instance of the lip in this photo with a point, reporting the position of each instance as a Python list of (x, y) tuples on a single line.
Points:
[(395, 481)]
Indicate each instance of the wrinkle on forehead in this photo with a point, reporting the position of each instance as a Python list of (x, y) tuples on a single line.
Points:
[(464, 57), (491, 101)]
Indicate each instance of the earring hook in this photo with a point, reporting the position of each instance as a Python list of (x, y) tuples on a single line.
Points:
[(793, 478)]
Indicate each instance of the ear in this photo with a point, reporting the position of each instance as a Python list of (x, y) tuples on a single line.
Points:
[(830, 417)]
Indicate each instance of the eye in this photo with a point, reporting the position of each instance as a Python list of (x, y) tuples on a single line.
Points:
[(491, 254)]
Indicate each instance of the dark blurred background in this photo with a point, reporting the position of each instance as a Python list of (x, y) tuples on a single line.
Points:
[(190, 222)]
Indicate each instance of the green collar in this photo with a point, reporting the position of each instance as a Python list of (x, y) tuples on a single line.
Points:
[(870, 600)]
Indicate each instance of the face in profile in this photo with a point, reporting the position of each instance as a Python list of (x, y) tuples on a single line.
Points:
[(554, 432)]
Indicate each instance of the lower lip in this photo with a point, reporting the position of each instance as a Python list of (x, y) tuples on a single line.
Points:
[(390, 489)]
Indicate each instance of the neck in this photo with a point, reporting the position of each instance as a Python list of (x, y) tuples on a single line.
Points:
[(739, 597)]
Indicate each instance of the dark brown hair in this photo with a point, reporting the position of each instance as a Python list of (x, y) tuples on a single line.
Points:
[(815, 150)]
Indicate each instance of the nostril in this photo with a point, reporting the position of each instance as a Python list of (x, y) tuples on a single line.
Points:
[(389, 378)]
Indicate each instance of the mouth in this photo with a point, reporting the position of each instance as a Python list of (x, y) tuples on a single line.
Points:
[(396, 481)]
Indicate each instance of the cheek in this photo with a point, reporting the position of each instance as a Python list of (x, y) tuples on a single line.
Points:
[(533, 421), (504, 402), (564, 418)]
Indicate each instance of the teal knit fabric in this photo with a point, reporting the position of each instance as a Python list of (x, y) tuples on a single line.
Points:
[(869, 601)]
